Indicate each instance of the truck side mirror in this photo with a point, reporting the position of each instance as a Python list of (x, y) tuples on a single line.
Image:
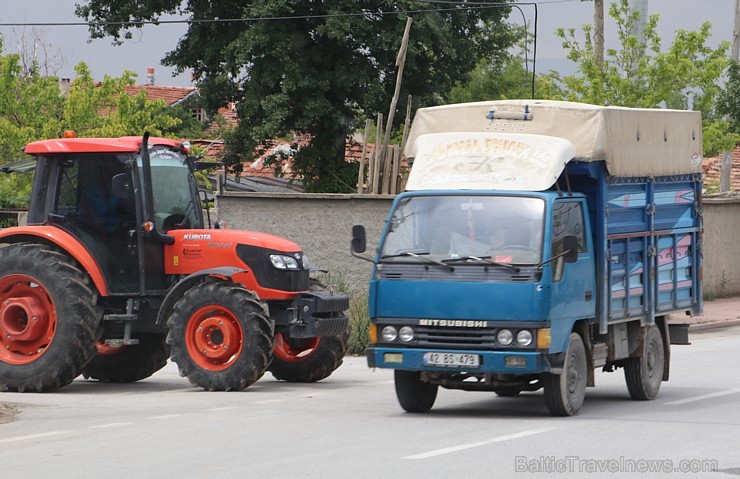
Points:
[(358, 239), (570, 248)]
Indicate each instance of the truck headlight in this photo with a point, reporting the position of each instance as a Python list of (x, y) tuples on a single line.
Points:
[(283, 261), (406, 334), (524, 337), (389, 334), (504, 337)]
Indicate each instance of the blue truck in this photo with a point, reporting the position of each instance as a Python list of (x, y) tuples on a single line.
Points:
[(537, 241)]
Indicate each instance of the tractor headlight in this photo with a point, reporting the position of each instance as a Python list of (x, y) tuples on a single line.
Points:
[(304, 260), (389, 334), (504, 337), (283, 261)]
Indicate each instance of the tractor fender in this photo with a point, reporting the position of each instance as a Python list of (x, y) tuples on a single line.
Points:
[(63, 240), (224, 273)]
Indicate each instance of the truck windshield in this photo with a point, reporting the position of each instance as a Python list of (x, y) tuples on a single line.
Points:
[(176, 202), (504, 229)]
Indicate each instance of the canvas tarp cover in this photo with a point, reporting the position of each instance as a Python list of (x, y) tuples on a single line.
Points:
[(632, 141)]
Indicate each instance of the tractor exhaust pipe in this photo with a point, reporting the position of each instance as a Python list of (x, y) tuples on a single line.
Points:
[(149, 196)]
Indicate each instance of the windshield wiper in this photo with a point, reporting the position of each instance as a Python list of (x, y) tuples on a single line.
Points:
[(419, 255), (482, 259)]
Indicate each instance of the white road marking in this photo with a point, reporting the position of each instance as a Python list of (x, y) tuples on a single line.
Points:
[(703, 397), (462, 447), (34, 436), (270, 401), (219, 409), (166, 416), (112, 424)]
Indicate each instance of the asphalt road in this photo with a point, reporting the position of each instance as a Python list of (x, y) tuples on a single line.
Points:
[(350, 425)]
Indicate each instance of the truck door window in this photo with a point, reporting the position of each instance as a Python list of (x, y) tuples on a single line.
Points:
[(567, 220)]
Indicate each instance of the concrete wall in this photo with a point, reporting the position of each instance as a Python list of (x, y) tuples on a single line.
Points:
[(721, 246), (321, 225)]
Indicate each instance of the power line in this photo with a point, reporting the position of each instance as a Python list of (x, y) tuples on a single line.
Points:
[(367, 13)]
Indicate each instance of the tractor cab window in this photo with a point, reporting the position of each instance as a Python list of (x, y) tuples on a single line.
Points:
[(176, 202)]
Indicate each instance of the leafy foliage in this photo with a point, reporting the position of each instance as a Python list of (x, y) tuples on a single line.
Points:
[(32, 107), (319, 71)]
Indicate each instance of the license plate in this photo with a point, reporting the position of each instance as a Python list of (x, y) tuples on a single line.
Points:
[(452, 360)]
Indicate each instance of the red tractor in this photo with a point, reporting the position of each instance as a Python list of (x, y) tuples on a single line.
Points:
[(115, 272)]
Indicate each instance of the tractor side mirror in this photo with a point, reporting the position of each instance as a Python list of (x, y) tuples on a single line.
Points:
[(358, 244)]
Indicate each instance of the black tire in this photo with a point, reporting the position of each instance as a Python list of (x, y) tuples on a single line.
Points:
[(644, 374), (324, 356), (220, 337), (414, 395), (565, 392), (130, 363), (49, 352)]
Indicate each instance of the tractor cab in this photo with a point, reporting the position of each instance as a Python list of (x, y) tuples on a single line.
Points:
[(97, 197)]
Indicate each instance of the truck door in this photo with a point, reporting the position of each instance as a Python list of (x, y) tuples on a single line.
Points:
[(574, 294)]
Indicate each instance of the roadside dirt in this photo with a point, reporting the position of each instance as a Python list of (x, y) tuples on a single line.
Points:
[(7, 413)]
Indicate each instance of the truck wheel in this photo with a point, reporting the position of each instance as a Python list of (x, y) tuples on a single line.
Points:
[(413, 394), (311, 359), (307, 360), (220, 337), (565, 392), (47, 319), (644, 374), (128, 364)]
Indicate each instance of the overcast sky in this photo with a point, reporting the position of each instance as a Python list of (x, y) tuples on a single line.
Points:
[(148, 48)]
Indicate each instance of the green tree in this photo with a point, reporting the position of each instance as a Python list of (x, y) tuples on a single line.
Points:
[(640, 74), (317, 68)]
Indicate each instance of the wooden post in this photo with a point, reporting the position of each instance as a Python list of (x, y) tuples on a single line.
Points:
[(400, 62), (376, 157), (725, 172), (361, 173), (396, 169), (599, 32), (407, 123)]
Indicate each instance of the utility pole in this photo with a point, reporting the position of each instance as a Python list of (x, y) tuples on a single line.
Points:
[(599, 32), (638, 28), (725, 172), (736, 33)]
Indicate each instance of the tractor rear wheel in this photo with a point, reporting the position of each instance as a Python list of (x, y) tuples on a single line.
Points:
[(128, 364), (307, 360), (220, 336), (48, 319)]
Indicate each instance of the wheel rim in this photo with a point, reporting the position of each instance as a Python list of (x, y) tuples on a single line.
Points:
[(296, 350), (27, 319), (214, 337), (651, 360), (108, 350)]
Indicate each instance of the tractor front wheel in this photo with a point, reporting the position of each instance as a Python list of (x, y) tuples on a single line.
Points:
[(307, 360), (47, 319), (220, 337)]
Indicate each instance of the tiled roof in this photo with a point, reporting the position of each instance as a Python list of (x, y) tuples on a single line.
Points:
[(170, 94), (711, 168)]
